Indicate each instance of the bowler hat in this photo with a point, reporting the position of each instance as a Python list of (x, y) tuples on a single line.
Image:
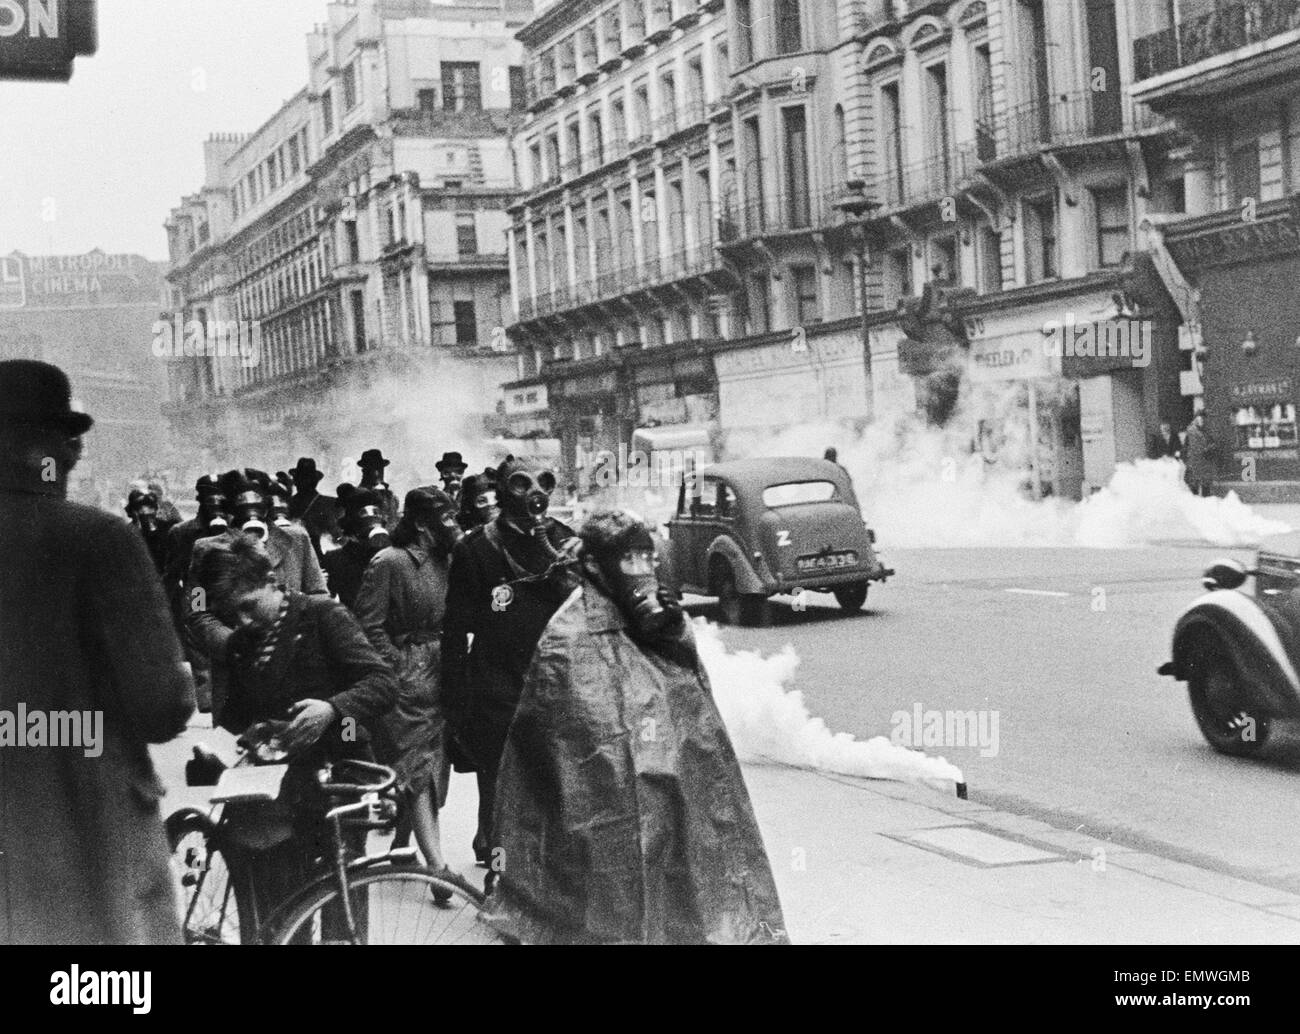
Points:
[(451, 461), (305, 470), (372, 458), (32, 392)]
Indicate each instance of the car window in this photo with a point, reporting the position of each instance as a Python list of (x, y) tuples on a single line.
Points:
[(710, 496), (798, 492), (726, 501)]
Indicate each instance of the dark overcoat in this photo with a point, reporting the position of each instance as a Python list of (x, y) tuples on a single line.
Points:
[(84, 626)]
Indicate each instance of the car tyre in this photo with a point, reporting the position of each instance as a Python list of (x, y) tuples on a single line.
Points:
[(748, 610), (1222, 710), (851, 597)]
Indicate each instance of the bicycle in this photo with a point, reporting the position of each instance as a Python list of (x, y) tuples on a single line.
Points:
[(376, 899)]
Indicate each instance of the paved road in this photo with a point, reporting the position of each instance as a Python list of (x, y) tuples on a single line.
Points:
[(1090, 738)]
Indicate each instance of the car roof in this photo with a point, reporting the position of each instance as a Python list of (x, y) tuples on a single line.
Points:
[(754, 475)]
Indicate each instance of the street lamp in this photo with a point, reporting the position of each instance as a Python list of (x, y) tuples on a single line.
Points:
[(857, 206)]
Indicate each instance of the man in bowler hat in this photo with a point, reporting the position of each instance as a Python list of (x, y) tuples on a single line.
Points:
[(373, 464), (84, 629)]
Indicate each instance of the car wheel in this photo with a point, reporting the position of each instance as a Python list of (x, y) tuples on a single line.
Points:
[(737, 608), (851, 597), (1223, 710)]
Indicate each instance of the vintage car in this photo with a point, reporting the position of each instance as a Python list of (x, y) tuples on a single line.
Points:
[(1240, 653), (746, 530)]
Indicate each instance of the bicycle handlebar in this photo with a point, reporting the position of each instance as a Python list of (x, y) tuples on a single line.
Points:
[(336, 789)]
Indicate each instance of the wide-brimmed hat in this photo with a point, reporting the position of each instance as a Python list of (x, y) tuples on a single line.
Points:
[(33, 392), (305, 469), (372, 458), (451, 461)]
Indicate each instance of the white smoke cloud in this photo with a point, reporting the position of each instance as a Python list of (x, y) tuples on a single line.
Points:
[(921, 486), (770, 723)]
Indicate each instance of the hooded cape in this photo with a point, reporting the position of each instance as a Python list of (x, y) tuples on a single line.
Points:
[(621, 811)]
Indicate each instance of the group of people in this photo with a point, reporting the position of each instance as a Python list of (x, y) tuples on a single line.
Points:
[(1193, 448), (465, 627)]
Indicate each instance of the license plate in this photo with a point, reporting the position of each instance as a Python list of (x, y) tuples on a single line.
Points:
[(828, 561)]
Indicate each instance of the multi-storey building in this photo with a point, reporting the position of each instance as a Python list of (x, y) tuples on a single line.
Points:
[(901, 197), (95, 315), (359, 233), (1229, 74)]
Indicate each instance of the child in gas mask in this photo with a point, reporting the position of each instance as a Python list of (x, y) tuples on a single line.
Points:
[(621, 811)]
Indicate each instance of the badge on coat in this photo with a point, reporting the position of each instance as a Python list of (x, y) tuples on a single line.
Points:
[(502, 597)]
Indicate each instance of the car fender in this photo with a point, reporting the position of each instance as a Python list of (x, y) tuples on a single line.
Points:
[(1256, 648), (747, 580)]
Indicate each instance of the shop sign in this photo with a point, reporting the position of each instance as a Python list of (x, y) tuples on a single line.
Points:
[(1016, 357), (531, 399), (784, 356), (1240, 242)]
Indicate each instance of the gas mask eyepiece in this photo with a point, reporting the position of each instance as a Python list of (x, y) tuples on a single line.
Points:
[(531, 492)]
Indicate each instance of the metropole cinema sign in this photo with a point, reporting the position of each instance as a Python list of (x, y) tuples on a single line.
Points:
[(40, 38)]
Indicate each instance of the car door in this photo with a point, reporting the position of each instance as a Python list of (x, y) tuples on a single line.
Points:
[(682, 537)]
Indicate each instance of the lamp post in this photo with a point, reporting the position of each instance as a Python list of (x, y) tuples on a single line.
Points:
[(857, 206)]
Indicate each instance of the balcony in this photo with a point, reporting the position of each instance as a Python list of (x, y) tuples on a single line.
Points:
[(783, 213), (1262, 35), (907, 186), (665, 125)]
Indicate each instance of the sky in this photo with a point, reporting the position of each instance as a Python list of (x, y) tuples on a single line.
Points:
[(101, 161)]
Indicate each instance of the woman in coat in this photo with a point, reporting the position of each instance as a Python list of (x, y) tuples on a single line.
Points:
[(401, 606)]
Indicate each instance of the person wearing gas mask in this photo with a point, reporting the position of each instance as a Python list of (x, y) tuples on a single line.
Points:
[(213, 518), (293, 562), (478, 504), (278, 497), (373, 464), (364, 535), (142, 512), (401, 607), (451, 471), (311, 509), (506, 580), (656, 841)]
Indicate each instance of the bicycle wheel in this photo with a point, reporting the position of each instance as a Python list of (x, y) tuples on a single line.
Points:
[(209, 911), (398, 908)]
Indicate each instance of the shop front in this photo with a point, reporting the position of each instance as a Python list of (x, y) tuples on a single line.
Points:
[(1247, 274)]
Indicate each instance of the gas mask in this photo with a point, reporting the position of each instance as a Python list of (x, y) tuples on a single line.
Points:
[(142, 508), (446, 530), (212, 511), (486, 509), (250, 513), (280, 511), (627, 568), (368, 528), (527, 496)]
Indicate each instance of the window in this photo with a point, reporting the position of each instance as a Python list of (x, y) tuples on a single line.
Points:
[(1243, 161), (789, 39), (754, 179), (938, 136), (898, 267), (466, 324), (695, 81), (985, 131), (641, 108), (327, 111), (595, 137), (272, 173), (798, 493), (721, 69), (461, 87), (1040, 238), (359, 321), (350, 87), (295, 160), (798, 202), (427, 100), (466, 234), (744, 32), (518, 100), (891, 140), (762, 312), (990, 260), (535, 163), (945, 265), (1110, 206), (806, 309), (634, 20)]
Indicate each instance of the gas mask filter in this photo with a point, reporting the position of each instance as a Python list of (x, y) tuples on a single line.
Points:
[(370, 529), (250, 515), (627, 567)]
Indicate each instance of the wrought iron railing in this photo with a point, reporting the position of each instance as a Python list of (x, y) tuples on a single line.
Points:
[(1228, 27)]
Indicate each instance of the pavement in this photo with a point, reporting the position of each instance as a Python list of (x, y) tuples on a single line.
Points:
[(861, 861)]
